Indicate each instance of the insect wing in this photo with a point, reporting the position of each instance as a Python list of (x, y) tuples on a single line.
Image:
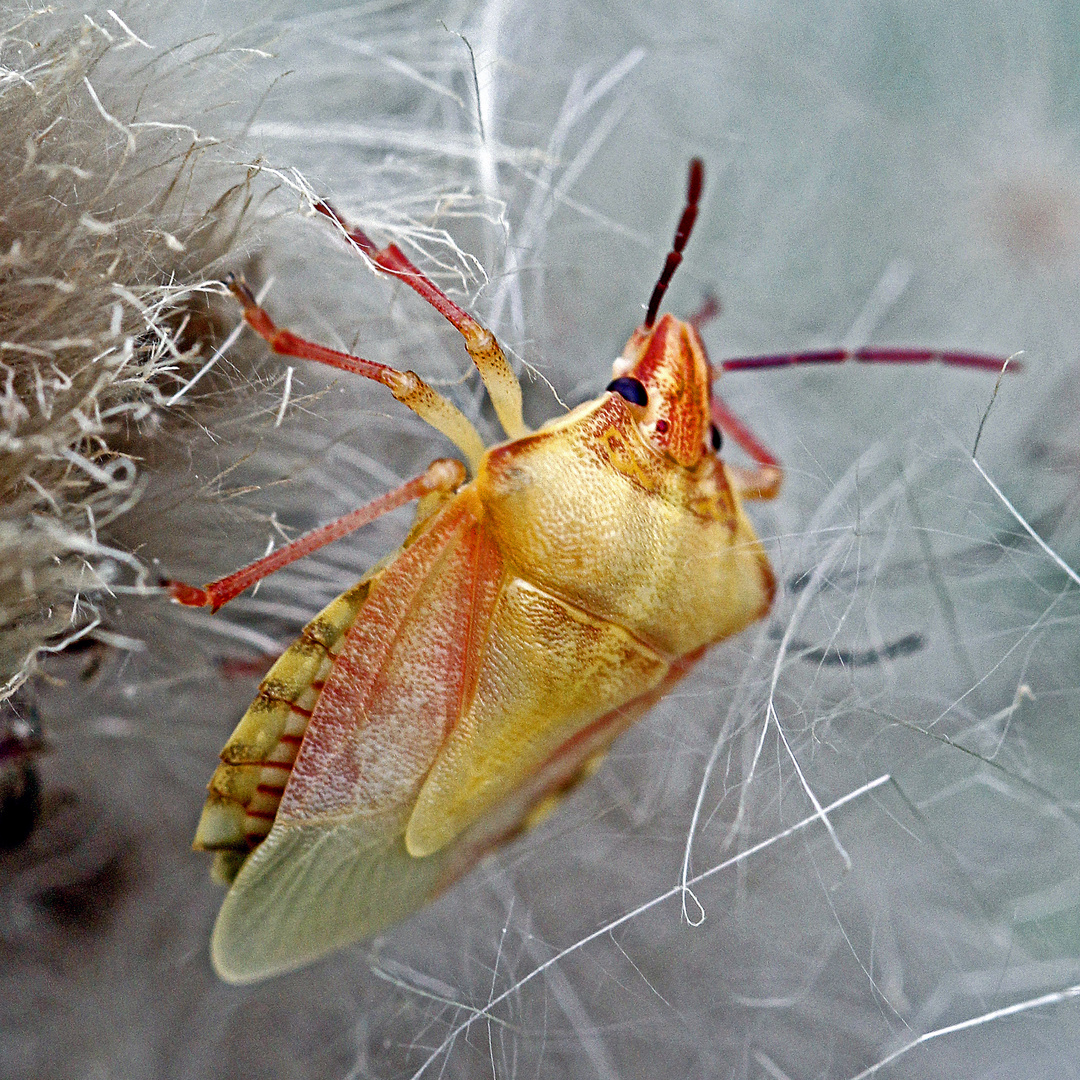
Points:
[(550, 672), (310, 889), (334, 868)]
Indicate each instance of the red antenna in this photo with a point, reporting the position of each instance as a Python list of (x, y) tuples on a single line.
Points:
[(689, 215)]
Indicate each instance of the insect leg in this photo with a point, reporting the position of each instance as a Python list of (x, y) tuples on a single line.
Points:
[(709, 310), (499, 379), (870, 355), (762, 482), (406, 386), (443, 475)]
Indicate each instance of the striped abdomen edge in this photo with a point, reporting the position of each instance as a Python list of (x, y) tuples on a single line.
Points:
[(257, 761)]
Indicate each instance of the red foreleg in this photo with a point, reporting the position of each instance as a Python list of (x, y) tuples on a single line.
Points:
[(443, 475), (499, 379), (762, 482), (406, 386)]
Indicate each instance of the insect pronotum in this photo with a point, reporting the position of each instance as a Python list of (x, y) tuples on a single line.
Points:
[(539, 604)]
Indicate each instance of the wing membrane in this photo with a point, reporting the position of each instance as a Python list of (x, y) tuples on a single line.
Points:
[(333, 868)]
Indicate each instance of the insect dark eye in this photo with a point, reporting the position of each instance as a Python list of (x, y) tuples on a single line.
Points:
[(716, 438), (629, 388)]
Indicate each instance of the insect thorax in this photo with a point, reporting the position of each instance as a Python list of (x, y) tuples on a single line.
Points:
[(593, 513)]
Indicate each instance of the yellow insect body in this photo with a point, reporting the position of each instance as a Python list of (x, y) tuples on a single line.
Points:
[(447, 700), (529, 618)]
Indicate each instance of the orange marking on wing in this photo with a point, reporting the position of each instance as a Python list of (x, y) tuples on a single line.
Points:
[(487, 581), (376, 726)]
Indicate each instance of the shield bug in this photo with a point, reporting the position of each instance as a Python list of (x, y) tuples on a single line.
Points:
[(539, 604)]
